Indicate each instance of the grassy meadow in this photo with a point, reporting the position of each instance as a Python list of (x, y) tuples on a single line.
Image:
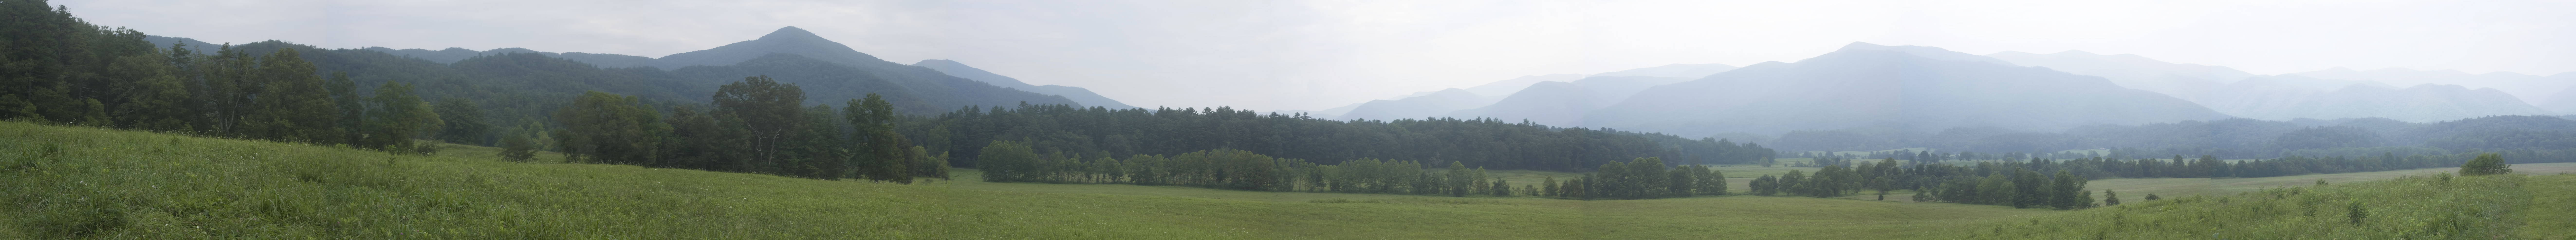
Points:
[(84, 183), (2132, 189), (2511, 206)]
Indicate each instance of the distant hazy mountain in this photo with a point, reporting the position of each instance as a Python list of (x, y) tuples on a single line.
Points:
[(1506, 87), (1684, 71), (2186, 81), (827, 82), (193, 45), (2331, 94), (451, 55), (829, 72), (1433, 105), (2563, 102), (2289, 97), (1077, 94), (1609, 91), (1565, 103), (1917, 89), (2530, 88), (789, 40)]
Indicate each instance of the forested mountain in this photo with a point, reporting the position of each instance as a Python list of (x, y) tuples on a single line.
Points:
[(2275, 98), (1684, 71), (1564, 103), (1903, 88), (2236, 138), (1445, 103), (193, 44), (1507, 86), (912, 89), (1419, 107), (2563, 102), (1077, 94), (2409, 95), (2186, 81), (1090, 133), (2530, 88)]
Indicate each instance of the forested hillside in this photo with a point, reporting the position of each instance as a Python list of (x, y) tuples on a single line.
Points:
[(2231, 138), (1101, 132), (776, 113)]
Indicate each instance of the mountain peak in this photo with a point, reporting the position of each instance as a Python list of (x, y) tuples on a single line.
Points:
[(790, 32)]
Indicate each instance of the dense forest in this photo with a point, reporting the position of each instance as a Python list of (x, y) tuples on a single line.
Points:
[(2231, 138), (1639, 178), (65, 71), (1476, 142)]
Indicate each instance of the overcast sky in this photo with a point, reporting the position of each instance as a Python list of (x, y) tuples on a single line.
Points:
[(1292, 54)]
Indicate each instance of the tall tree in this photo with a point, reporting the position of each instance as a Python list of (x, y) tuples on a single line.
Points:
[(397, 117), (767, 109), (350, 120), (608, 128), (289, 98), (881, 151), (462, 122)]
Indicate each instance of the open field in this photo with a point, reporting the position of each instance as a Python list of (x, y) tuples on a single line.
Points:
[(67, 182), (2480, 207), (2132, 189)]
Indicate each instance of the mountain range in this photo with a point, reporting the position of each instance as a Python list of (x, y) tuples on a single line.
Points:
[(1447, 103), (1077, 94), (829, 71), (1898, 88), (2400, 94)]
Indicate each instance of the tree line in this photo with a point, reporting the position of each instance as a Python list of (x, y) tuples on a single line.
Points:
[(1097, 131), (754, 126), (63, 70), (1233, 169)]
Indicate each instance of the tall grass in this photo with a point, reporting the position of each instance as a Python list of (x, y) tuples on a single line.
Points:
[(2415, 207), (62, 182), (81, 183)]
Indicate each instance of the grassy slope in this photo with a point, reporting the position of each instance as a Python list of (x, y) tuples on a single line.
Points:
[(2486, 207), (133, 185)]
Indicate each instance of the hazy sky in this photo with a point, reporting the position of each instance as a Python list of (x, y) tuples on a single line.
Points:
[(1292, 54)]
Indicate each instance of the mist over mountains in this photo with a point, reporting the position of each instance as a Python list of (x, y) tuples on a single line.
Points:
[(1862, 93), (2399, 94), (1077, 94), (1461, 104), (829, 71), (1899, 88)]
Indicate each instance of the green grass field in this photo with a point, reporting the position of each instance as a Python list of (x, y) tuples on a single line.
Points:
[(68, 182), (2420, 207), (81, 183), (2132, 189)]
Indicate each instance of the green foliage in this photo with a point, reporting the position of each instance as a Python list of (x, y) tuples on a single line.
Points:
[(1489, 143), (518, 148), (2485, 164), (462, 122), (396, 117), (882, 153), (608, 128)]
